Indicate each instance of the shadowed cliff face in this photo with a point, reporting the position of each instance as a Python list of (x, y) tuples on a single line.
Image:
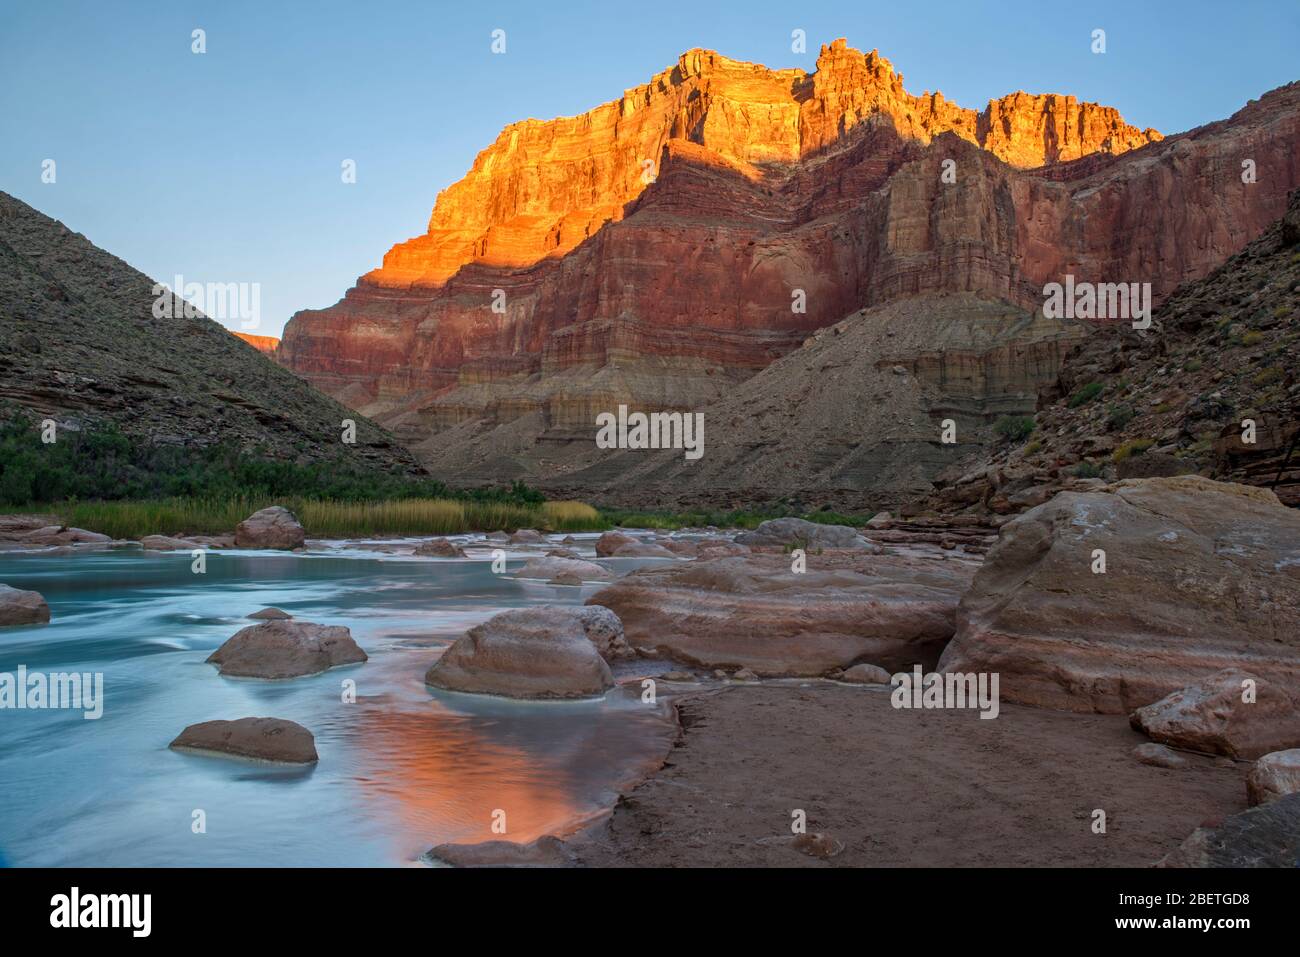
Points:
[(665, 247)]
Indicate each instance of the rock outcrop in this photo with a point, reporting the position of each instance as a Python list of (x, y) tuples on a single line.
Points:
[(286, 649), (1199, 576), (259, 739), (21, 607), (273, 527), (524, 653), (754, 612), (1264, 836), (664, 247), (1172, 399), (1231, 713)]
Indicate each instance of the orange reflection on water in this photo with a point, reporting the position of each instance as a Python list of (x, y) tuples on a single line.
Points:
[(445, 773)]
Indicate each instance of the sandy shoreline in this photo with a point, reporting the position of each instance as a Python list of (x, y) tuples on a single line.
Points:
[(902, 788)]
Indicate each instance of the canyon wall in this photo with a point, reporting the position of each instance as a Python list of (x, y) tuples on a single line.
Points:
[(665, 247)]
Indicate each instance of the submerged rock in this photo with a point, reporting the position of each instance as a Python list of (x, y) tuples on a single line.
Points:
[(273, 527), (525, 653), (611, 542), (286, 649), (19, 607), (63, 535), (548, 568), (1231, 712), (261, 739), (754, 612), (800, 533), (165, 543), (1274, 776), (546, 851), (440, 548), (1199, 576)]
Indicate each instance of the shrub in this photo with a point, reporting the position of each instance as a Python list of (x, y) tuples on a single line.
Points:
[(1085, 470), (1267, 376), (1014, 428), (1085, 395), (1130, 449), (1118, 416)]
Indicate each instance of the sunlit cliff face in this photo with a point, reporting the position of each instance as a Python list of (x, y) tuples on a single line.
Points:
[(544, 187)]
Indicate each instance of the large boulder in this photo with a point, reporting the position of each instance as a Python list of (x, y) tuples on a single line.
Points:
[(273, 527), (1230, 712), (610, 542), (547, 568), (643, 550), (754, 612), (1274, 776), (527, 536), (258, 739), (799, 533), (1199, 576), (524, 653), (1264, 836), (286, 649), (19, 607)]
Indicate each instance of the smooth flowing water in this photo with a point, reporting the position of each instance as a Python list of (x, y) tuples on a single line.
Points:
[(401, 769)]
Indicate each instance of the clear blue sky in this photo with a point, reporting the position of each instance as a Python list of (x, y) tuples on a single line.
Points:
[(225, 167)]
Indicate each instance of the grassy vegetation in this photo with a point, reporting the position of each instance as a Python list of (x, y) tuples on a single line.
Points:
[(331, 518), (104, 481), (327, 518)]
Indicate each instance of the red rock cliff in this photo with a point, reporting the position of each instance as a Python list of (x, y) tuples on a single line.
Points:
[(649, 251)]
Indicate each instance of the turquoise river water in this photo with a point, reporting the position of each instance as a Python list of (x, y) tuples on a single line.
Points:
[(401, 769)]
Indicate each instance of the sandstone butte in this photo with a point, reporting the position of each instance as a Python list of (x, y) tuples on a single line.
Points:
[(649, 251)]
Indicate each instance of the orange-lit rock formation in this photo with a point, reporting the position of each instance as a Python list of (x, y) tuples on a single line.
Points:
[(665, 246)]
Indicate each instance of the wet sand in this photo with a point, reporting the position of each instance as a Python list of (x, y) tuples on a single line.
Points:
[(903, 787)]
